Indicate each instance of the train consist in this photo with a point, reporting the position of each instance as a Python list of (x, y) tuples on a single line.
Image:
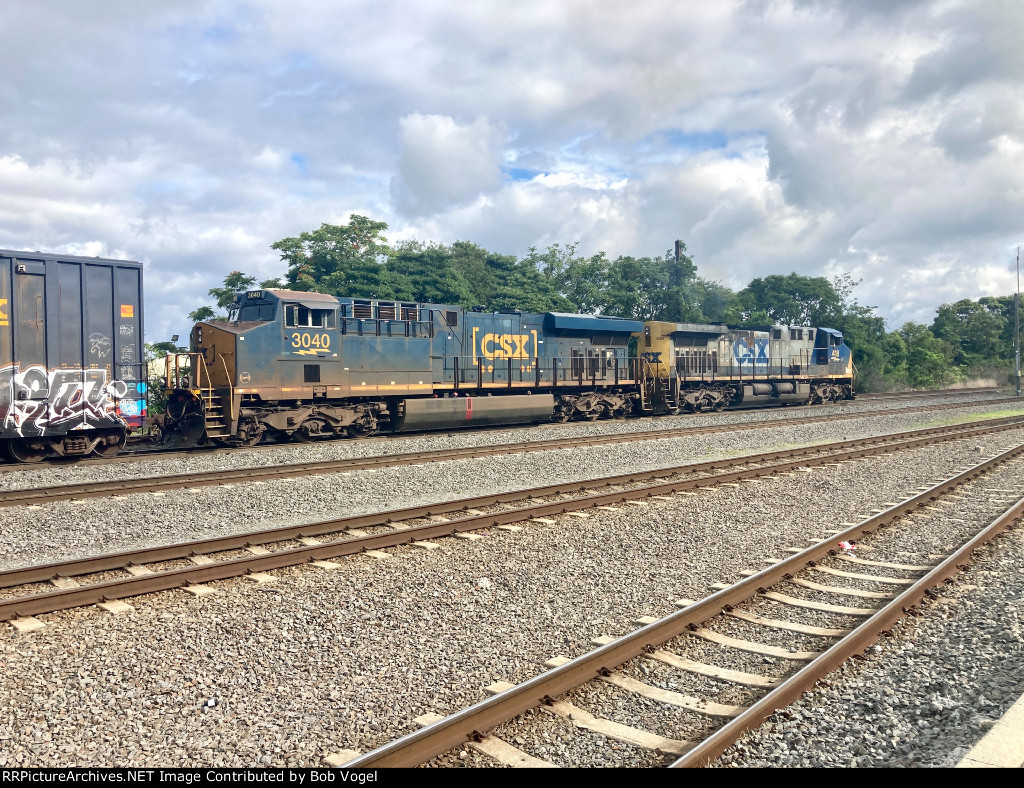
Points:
[(306, 366), (303, 366)]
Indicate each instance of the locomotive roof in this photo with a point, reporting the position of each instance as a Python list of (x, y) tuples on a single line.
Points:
[(302, 295), (565, 321)]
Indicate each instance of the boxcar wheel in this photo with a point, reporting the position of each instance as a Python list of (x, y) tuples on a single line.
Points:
[(110, 444), (21, 450)]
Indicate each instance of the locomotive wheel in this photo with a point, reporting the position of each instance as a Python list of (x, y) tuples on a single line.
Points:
[(253, 439), (313, 430), (719, 405), (359, 430), (560, 415), (251, 432), (21, 450)]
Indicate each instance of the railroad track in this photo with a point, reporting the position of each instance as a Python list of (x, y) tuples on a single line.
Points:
[(294, 545), (120, 487), (143, 455), (833, 606), (923, 394)]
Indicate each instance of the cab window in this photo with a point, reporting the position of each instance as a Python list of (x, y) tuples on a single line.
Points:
[(299, 316)]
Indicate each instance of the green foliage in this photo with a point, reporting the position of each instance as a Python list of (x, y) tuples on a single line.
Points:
[(203, 313), (975, 331), (235, 283), (156, 395), (929, 359), (791, 300), (341, 259), (161, 349)]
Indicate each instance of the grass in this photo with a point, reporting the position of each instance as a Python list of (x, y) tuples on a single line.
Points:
[(966, 419)]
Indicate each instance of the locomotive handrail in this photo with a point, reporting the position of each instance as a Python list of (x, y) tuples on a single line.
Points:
[(231, 387)]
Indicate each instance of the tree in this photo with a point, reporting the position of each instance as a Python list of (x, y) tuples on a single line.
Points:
[(203, 314), (235, 284), (344, 260), (519, 284), (789, 300), (427, 272), (975, 331), (929, 359), (161, 349)]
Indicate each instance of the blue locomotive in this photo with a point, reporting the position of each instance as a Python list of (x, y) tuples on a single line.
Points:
[(306, 366)]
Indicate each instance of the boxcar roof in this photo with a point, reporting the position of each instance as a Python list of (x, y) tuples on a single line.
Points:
[(23, 254)]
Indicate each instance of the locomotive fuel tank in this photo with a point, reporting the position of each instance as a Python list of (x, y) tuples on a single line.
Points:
[(470, 411)]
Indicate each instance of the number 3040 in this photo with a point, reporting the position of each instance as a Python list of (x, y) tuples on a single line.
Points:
[(311, 340)]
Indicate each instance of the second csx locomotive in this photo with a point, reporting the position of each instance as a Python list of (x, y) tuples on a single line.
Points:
[(305, 366)]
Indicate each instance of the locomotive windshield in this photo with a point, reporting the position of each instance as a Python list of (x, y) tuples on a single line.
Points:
[(263, 313)]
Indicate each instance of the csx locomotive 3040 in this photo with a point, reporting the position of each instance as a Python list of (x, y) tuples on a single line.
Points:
[(305, 366)]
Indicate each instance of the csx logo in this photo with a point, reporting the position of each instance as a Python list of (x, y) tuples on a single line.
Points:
[(506, 345), (755, 353), (4, 317)]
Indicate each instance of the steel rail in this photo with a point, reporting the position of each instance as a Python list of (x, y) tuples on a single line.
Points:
[(62, 599), (76, 567), (856, 642), (35, 495), (473, 722)]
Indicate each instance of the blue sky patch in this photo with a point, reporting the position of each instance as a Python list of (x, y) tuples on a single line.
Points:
[(520, 173), (697, 141)]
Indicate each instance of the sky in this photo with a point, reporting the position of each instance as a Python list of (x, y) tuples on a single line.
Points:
[(879, 138)]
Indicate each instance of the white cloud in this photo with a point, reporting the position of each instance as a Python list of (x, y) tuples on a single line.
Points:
[(444, 164), (881, 138)]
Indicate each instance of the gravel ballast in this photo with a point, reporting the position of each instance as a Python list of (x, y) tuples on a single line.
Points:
[(66, 529), (324, 660)]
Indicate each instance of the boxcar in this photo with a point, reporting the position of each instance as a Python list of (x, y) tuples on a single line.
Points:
[(71, 354)]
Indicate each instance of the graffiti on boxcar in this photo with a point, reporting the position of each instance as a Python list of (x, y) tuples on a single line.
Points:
[(34, 399), (99, 345)]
